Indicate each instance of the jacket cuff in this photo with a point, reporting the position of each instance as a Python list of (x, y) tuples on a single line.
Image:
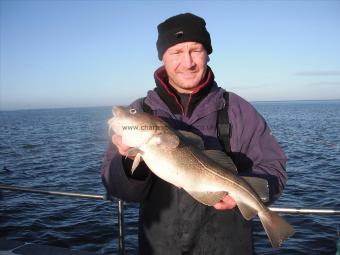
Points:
[(119, 184)]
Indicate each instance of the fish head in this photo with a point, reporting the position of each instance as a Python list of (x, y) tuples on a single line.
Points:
[(135, 127)]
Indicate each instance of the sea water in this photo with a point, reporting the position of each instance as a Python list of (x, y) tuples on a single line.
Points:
[(62, 150)]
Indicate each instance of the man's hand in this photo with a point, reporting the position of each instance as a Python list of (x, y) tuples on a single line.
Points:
[(122, 148), (226, 203)]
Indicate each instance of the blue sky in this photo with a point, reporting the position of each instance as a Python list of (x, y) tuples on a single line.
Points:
[(59, 53)]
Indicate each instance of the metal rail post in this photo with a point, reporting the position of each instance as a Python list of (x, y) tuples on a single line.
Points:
[(121, 227)]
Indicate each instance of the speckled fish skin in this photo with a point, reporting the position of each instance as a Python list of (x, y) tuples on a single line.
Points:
[(170, 157)]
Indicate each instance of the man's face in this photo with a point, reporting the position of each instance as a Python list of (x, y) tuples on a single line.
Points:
[(185, 64)]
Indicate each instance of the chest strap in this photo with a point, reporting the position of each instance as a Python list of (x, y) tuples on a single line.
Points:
[(223, 125)]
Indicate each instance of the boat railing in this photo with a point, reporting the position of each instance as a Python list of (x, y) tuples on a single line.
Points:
[(106, 197), (121, 240)]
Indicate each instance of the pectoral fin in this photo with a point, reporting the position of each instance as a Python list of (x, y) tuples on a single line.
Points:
[(208, 198), (166, 140), (132, 152), (135, 152), (136, 162)]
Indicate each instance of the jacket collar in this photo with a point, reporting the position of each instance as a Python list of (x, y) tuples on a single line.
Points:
[(170, 97)]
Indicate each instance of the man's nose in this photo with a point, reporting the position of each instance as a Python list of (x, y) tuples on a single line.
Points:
[(188, 61)]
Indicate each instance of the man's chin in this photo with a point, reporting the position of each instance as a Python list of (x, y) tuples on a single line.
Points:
[(185, 85), (190, 83)]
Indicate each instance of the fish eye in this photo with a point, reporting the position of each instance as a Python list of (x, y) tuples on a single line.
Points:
[(133, 111)]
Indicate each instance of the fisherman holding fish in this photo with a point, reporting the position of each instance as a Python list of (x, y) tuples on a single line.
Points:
[(193, 174)]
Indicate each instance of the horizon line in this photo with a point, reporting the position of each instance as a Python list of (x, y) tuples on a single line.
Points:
[(104, 106)]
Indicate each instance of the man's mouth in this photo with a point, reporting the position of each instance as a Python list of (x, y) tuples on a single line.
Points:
[(189, 75)]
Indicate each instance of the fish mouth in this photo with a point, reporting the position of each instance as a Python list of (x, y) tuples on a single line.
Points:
[(114, 111), (112, 121), (119, 111)]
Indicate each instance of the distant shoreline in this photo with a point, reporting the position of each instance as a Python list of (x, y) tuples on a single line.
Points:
[(297, 101), (106, 106)]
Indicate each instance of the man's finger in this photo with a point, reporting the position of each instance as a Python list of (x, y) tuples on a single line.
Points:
[(226, 203), (116, 139)]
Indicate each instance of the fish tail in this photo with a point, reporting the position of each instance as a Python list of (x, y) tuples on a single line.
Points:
[(276, 227)]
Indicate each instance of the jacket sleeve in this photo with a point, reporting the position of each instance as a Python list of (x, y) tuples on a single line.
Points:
[(116, 175), (254, 149)]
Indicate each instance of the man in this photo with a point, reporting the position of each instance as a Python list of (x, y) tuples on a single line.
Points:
[(187, 98)]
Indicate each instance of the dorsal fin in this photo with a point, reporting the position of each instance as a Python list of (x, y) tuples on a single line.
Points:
[(222, 159), (259, 185), (191, 139)]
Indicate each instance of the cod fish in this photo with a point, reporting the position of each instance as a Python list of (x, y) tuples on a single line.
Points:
[(179, 158)]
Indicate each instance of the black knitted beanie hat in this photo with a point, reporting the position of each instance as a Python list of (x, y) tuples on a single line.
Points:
[(185, 27)]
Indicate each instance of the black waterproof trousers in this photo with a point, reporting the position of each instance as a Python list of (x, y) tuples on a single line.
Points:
[(173, 223)]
